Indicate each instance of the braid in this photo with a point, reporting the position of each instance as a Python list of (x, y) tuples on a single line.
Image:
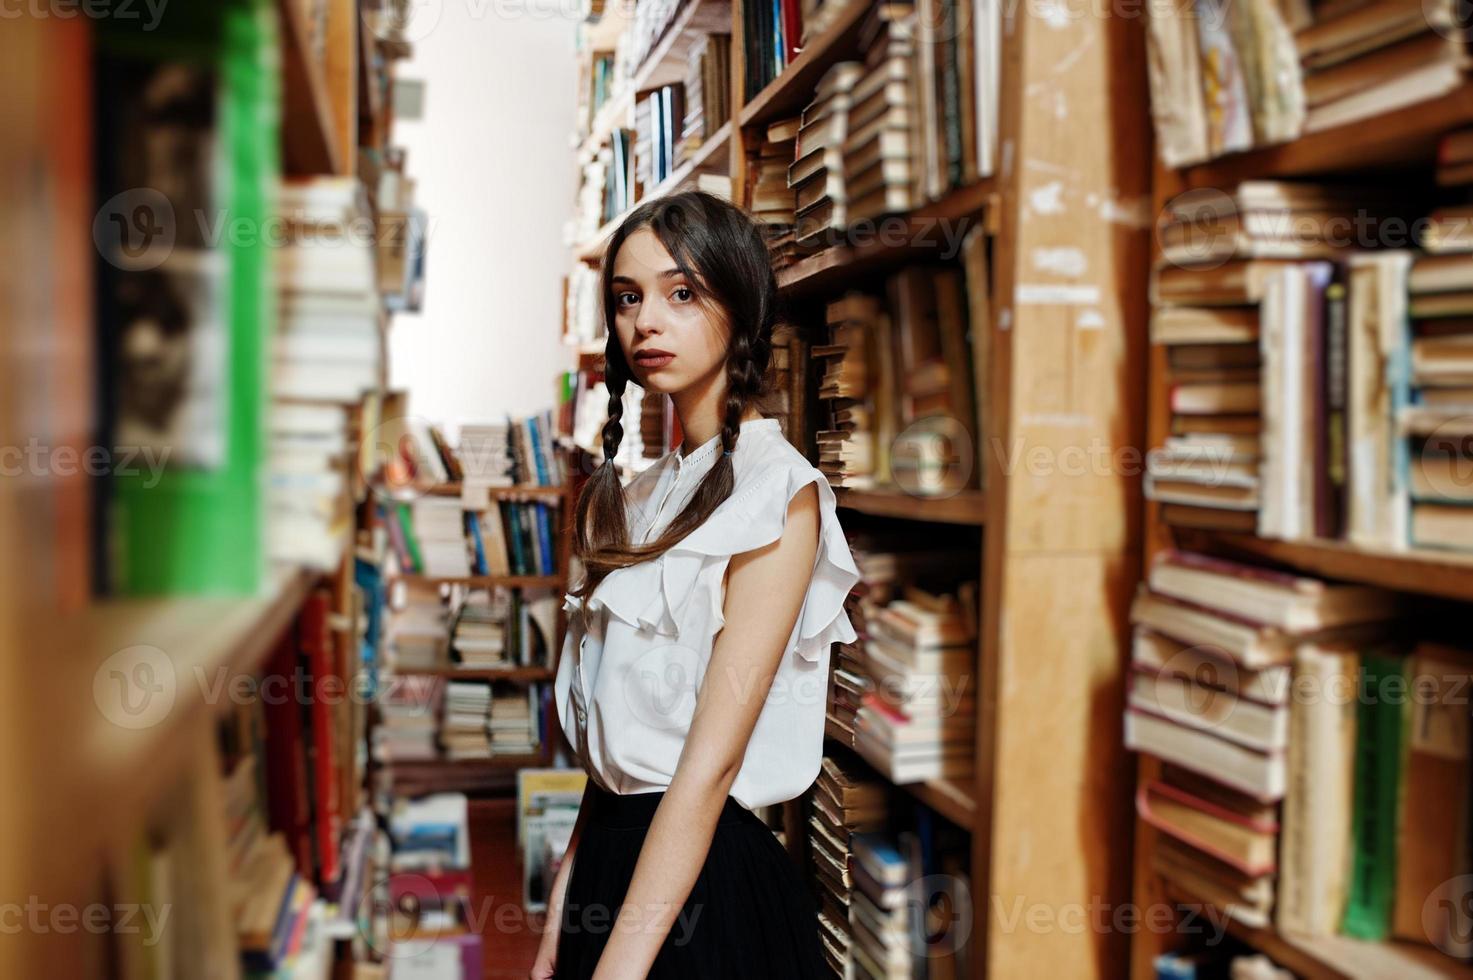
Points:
[(613, 432)]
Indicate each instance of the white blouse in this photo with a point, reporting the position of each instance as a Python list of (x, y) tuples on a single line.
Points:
[(636, 651)]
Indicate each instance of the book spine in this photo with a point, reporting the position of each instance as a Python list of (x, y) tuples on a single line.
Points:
[(544, 531), (1377, 783), (474, 524), (1337, 394), (317, 645), (513, 527)]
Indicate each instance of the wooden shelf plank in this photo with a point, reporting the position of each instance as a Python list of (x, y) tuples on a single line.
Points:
[(420, 766), (487, 581), (711, 156), (923, 228), (1402, 137), (946, 798), (308, 126), (787, 94), (1340, 957), (966, 507), (1449, 575), (127, 747), (529, 492), (522, 675)]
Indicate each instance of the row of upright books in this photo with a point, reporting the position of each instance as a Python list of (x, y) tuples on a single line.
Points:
[(897, 382), (290, 837), (430, 719), (1316, 390), (1227, 77), (892, 904), (439, 538), (1315, 751), (915, 119)]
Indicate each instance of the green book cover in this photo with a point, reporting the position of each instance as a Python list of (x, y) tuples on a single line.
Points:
[(195, 523), (1380, 744), (406, 523)]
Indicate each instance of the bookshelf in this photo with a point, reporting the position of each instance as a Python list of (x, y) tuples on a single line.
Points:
[(1394, 149), (1059, 555), (96, 772)]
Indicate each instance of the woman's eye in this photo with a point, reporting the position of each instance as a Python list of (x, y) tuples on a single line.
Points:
[(621, 297), (683, 289)]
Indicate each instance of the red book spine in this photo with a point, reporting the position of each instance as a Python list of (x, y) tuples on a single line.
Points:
[(288, 803), (792, 29), (317, 645)]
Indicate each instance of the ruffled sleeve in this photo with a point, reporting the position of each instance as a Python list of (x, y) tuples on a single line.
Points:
[(755, 517)]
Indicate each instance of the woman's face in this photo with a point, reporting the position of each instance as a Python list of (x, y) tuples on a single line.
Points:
[(655, 309)]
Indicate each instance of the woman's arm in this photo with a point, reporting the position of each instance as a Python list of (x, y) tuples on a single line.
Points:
[(546, 961), (764, 595)]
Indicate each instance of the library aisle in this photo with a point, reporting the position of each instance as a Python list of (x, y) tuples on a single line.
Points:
[(1134, 342)]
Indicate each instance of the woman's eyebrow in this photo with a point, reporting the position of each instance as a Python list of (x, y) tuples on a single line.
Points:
[(667, 274)]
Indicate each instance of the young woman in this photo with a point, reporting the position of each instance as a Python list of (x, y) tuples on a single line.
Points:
[(692, 680)]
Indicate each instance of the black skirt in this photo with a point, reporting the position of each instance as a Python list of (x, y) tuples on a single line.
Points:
[(749, 914)]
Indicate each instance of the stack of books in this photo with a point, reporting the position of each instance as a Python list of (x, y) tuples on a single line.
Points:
[(463, 732), (484, 454), (816, 175), (1439, 420), (846, 445), (479, 638), (846, 801), (434, 537), (771, 198), (919, 721), (418, 630), (309, 497), (1368, 59), (409, 718), (328, 345), (515, 720), (1219, 646), (882, 147), (429, 888), (884, 917)]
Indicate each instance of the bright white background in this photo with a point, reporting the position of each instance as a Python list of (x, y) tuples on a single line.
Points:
[(495, 171)]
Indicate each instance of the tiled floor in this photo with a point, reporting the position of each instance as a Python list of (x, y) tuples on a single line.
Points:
[(509, 936)]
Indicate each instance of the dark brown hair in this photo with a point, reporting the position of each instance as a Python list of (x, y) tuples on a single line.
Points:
[(724, 257)]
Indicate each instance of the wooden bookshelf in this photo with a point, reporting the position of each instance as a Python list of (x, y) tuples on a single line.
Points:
[(1403, 140), (666, 60)]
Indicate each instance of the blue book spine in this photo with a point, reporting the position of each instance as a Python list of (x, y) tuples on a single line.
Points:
[(473, 521), (514, 532), (777, 38), (535, 439), (544, 532)]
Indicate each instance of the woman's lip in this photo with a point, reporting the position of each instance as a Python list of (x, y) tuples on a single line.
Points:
[(653, 360)]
